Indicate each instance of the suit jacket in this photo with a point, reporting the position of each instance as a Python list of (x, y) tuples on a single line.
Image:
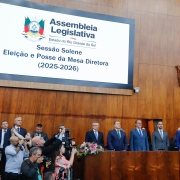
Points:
[(158, 142), (7, 136), (115, 143), (42, 134), (90, 137), (138, 142), (0, 135), (178, 139)]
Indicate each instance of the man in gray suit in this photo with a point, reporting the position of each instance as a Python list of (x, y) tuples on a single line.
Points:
[(160, 139)]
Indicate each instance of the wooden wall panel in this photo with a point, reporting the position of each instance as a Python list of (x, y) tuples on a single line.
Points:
[(160, 42), (146, 38), (128, 167), (159, 92), (176, 104), (163, 166), (173, 8), (140, 164), (116, 166), (152, 167), (157, 42), (161, 6), (145, 96), (132, 166), (174, 161), (97, 170), (135, 5), (137, 16)]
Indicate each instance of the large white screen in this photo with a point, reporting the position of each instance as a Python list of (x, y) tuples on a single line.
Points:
[(34, 43)]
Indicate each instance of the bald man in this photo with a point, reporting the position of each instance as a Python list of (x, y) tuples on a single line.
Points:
[(47, 147), (15, 153), (17, 127)]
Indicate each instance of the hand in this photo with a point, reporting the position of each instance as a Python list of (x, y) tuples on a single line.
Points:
[(74, 150), (21, 141), (73, 143), (13, 130), (25, 143), (40, 160)]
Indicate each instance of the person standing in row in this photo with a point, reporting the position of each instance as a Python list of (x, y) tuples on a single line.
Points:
[(116, 139), (40, 133), (3, 131), (17, 127), (138, 138), (160, 139), (94, 135)]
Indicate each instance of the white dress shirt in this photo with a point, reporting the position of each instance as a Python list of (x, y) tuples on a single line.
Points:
[(2, 137), (161, 132)]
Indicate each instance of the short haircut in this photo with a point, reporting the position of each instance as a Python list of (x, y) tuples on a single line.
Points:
[(61, 125), (95, 122), (48, 175), (116, 121), (4, 121), (39, 125), (34, 151), (138, 120), (31, 134), (159, 122), (17, 118)]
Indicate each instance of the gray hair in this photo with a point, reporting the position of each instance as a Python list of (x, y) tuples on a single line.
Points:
[(34, 151)]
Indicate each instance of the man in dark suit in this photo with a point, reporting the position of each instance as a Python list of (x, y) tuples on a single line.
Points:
[(4, 126), (138, 138), (94, 135), (116, 139), (40, 133), (17, 127), (178, 138), (160, 139)]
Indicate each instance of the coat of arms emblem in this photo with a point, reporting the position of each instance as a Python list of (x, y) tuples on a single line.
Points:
[(33, 30)]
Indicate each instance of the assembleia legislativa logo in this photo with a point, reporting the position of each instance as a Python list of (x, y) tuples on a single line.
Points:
[(33, 29)]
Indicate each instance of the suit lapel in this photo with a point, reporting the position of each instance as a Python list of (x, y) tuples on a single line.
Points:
[(98, 136), (94, 135), (160, 135), (115, 132), (138, 133), (163, 135), (0, 135)]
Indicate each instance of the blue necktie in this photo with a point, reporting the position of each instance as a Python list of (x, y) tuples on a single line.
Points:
[(140, 132)]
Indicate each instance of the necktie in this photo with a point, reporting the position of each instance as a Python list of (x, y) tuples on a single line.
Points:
[(5, 131), (140, 132), (19, 130), (161, 134), (119, 134), (96, 134)]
